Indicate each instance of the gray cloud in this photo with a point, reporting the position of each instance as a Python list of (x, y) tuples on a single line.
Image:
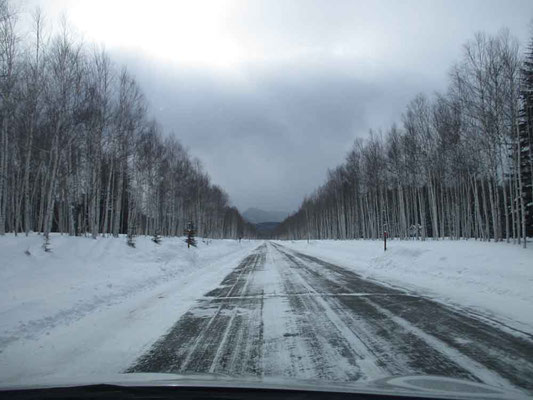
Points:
[(271, 145)]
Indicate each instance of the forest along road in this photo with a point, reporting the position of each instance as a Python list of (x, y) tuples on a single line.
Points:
[(282, 313)]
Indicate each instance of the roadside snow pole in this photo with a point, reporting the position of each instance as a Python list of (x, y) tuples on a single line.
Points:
[(385, 234), (307, 219)]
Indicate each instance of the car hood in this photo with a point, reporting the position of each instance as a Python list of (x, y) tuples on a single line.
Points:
[(413, 385)]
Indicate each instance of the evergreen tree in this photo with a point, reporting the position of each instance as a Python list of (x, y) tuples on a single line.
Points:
[(156, 238)]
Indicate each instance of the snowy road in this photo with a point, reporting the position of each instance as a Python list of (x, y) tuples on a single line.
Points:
[(285, 314)]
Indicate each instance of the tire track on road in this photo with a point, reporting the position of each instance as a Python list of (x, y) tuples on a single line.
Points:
[(196, 342), (459, 344)]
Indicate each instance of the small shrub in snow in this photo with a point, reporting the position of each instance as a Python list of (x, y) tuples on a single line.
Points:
[(156, 238)]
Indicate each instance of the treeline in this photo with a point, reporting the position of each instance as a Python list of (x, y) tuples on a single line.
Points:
[(79, 153), (459, 165)]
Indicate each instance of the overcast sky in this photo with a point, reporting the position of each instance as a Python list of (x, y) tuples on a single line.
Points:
[(270, 94)]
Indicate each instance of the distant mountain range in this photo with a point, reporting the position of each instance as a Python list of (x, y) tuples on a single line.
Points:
[(257, 216)]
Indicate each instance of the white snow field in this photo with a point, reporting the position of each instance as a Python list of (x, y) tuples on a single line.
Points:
[(93, 306), (492, 279)]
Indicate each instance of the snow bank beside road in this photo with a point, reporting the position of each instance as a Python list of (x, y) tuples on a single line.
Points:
[(494, 279), (92, 306)]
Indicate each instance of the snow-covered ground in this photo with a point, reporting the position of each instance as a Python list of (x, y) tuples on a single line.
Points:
[(93, 306), (493, 279)]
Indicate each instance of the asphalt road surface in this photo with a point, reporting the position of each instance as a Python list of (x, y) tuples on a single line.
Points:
[(282, 313)]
